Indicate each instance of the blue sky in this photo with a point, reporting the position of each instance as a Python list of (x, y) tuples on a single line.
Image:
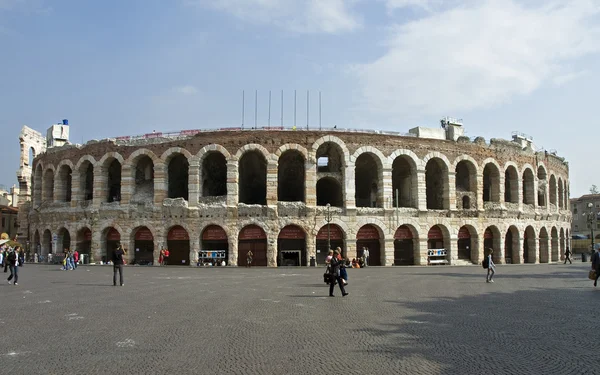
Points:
[(129, 67)]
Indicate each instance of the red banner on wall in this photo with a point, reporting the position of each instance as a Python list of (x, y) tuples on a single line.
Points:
[(291, 232), (403, 233), (87, 234), (252, 232), (335, 233), (367, 232), (144, 234), (113, 235), (214, 233), (488, 234), (177, 233), (435, 233), (463, 233)]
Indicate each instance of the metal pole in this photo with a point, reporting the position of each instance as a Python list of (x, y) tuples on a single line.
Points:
[(294, 109), (243, 106), (307, 113), (328, 231), (255, 108), (281, 108), (269, 121), (319, 110)]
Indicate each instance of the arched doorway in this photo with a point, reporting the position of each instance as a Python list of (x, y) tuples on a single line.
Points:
[(367, 181), (554, 253), (335, 235), (544, 248), (529, 245), (252, 238), (436, 184), (491, 240), (437, 252), (511, 246), (404, 250), (214, 245), (178, 243), (329, 191), (143, 247), (84, 244), (37, 243), (113, 238), (63, 240), (291, 246), (368, 237), (252, 186), (464, 243), (291, 177), (47, 246)]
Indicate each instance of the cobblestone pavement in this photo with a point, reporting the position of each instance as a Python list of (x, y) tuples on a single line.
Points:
[(539, 319)]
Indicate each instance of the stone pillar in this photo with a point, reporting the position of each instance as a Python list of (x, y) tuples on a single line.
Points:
[(127, 183), (76, 193), (272, 183), (310, 184), (520, 191), (536, 203), (272, 250), (477, 249), (450, 196), (502, 190), (194, 249), (194, 184), (100, 181), (349, 187), (159, 242), (387, 252), (479, 192), (57, 189), (420, 250), (96, 245), (233, 251), (311, 248), (452, 248), (232, 183), (518, 259), (555, 254), (421, 194), (499, 250), (386, 194), (544, 250), (160, 183)]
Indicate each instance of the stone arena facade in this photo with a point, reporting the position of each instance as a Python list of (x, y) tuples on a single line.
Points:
[(289, 195)]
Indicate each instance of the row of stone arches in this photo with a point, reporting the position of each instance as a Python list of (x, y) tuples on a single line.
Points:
[(295, 244), (376, 180)]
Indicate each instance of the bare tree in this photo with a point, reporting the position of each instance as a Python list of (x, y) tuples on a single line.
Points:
[(594, 189)]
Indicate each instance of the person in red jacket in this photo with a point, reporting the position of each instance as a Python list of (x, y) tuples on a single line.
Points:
[(166, 257)]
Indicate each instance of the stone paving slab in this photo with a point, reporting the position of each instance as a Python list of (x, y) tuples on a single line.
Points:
[(535, 319)]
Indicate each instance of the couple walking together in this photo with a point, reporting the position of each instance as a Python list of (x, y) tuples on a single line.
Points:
[(337, 268)]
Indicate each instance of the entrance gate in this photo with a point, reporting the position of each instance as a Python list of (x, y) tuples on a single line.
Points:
[(291, 247), (143, 247), (178, 243), (336, 239), (368, 236), (252, 238), (404, 254)]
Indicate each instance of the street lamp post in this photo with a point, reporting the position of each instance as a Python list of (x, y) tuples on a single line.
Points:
[(328, 220), (591, 220)]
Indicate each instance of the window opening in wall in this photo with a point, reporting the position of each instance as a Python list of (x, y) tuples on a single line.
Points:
[(528, 190), (552, 189), (114, 181), (403, 182), (253, 178), (144, 181), (435, 184), (178, 177), (511, 188), (366, 180), (491, 183), (87, 181), (329, 190), (214, 175), (466, 203), (31, 156), (322, 163), (291, 177), (329, 158), (48, 186), (65, 181)]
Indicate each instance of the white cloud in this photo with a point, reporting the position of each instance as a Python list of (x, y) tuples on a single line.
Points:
[(186, 90), (568, 77), (301, 16), (476, 56)]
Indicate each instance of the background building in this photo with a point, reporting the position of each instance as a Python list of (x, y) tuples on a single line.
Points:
[(586, 221)]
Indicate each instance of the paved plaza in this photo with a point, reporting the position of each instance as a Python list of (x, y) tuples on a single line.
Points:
[(535, 319)]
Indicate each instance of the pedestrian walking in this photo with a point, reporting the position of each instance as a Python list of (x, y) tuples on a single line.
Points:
[(117, 259), (13, 264), (336, 275), (166, 257), (596, 265), (568, 256), (6, 250), (491, 267), (76, 257), (366, 255), (249, 256)]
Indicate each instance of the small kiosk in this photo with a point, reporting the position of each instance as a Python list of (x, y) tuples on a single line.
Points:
[(211, 257)]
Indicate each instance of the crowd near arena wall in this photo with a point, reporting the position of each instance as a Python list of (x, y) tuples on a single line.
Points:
[(284, 194)]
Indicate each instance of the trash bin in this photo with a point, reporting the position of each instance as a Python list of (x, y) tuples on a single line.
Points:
[(584, 257), (313, 261)]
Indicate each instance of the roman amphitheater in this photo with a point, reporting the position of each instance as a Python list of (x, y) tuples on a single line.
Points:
[(430, 196)]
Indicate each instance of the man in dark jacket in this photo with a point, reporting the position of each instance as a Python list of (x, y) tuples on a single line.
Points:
[(596, 265), (568, 256), (117, 259), (13, 264), (335, 266)]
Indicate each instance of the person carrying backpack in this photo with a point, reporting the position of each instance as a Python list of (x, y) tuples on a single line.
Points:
[(488, 264), (117, 259), (13, 265)]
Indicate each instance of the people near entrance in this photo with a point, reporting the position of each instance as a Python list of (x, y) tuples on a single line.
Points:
[(12, 262), (355, 263), (488, 263), (596, 265), (5, 265), (249, 256), (327, 274), (165, 259), (75, 258), (365, 256), (117, 260), (568, 256), (161, 257), (336, 266), (68, 261)]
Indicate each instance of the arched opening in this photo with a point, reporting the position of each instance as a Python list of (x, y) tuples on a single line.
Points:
[(436, 181), (64, 185), (253, 178), (512, 246), (529, 245), (491, 183), (437, 246), (47, 246), (404, 246), (252, 238), (561, 194), (553, 195), (542, 182), (178, 243), (330, 158), (63, 241), (368, 237), (143, 245), (404, 182), (114, 182), (554, 252), (329, 237), (291, 246), (544, 248), (528, 187), (214, 246), (31, 156), (86, 180), (367, 181), (178, 171), (112, 239), (511, 185), (37, 243), (37, 185), (466, 183), (491, 240), (84, 244), (48, 185), (562, 242), (143, 174), (329, 190), (464, 243), (291, 177), (214, 175)]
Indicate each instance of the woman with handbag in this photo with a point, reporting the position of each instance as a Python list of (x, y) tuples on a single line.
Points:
[(327, 274), (596, 265), (335, 275)]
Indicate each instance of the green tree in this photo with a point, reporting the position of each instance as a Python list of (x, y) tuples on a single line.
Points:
[(594, 189)]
